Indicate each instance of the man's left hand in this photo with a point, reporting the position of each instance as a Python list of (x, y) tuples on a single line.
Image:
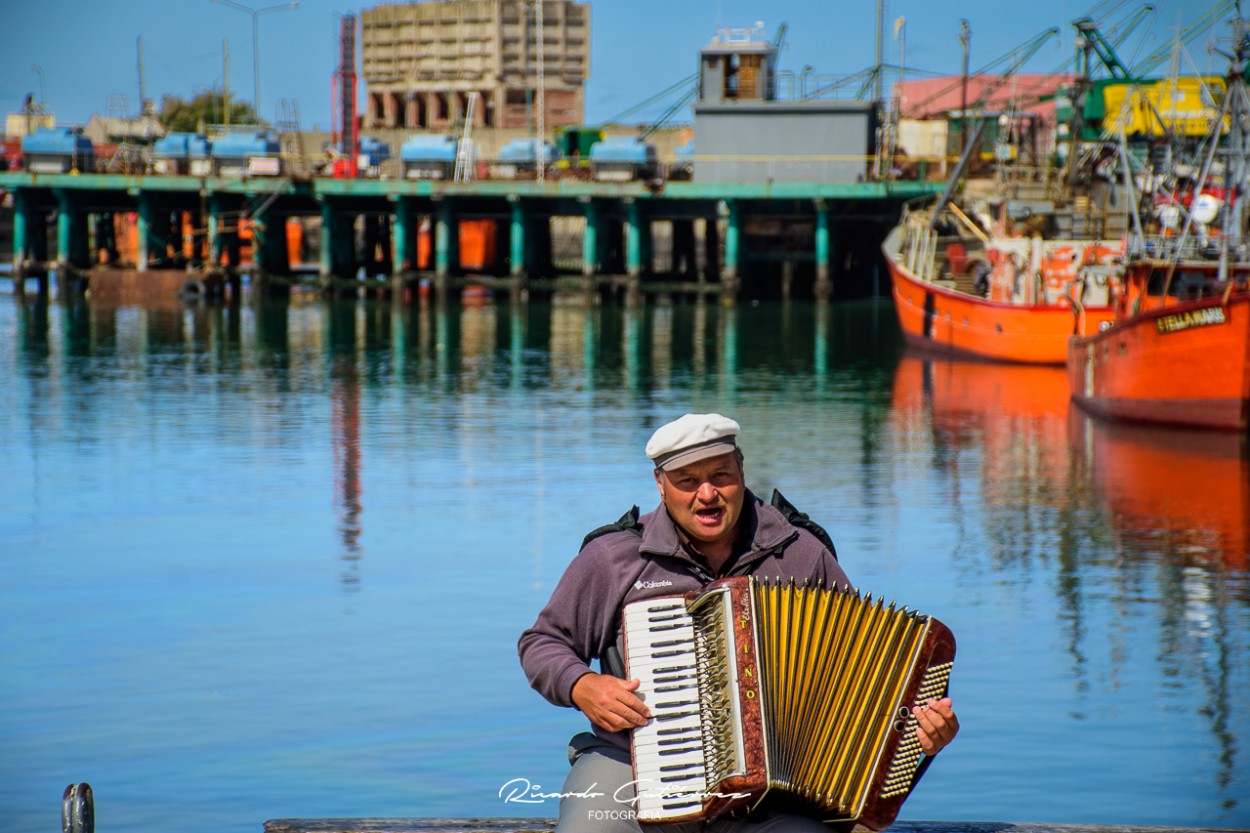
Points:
[(937, 725)]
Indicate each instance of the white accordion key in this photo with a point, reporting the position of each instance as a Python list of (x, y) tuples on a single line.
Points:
[(668, 750)]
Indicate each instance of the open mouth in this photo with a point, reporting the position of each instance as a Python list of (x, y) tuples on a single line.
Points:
[(710, 515)]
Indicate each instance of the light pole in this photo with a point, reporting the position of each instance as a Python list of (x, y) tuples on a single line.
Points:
[(541, 83), (965, 39), (900, 35), (256, 13)]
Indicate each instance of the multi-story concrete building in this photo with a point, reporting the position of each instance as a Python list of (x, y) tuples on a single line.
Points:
[(423, 60)]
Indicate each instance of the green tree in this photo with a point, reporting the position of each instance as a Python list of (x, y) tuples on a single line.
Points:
[(181, 116)]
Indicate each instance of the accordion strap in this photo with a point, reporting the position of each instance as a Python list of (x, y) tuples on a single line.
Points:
[(611, 662), (800, 519)]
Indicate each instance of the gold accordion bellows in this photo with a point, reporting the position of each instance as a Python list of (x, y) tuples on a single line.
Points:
[(801, 691)]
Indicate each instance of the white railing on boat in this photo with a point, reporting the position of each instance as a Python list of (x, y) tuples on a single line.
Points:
[(1186, 250), (920, 248)]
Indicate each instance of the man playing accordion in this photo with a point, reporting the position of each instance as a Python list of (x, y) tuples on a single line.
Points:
[(707, 526)]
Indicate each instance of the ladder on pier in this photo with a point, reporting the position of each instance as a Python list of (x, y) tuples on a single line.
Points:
[(464, 149), (289, 145)]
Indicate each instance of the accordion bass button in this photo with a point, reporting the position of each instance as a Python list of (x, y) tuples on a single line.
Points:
[(903, 712)]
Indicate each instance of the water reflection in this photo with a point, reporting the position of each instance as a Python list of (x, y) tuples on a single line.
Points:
[(1183, 492), (1010, 424), (1179, 501), (1098, 572), (1144, 529), (345, 362)]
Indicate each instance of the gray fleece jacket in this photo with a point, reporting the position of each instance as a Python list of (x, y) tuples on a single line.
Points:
[(583, 618)]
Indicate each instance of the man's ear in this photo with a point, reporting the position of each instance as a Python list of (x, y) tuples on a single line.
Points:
[(659, 482)]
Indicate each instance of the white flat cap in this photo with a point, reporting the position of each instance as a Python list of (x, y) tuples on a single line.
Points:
[(692, 438)]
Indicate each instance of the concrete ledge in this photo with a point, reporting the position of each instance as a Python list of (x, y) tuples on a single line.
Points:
[(541, 825)]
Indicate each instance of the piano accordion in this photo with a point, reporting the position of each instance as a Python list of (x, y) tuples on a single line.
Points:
[(804, 691)]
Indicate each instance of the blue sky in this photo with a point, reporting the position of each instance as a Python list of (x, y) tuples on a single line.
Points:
[(80, 55)]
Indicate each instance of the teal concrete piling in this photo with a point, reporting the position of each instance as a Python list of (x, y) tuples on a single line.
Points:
[(37, 253), (71, 245), (636, 246), (329, 231), (824, 286), (590, 239), (516, 242), (446, 245), (733, 245), (402, 249), (147, 222), (30, 245), (633, 239), (21, 240)]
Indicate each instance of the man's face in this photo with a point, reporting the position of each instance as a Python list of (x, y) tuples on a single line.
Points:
[(705, 498)]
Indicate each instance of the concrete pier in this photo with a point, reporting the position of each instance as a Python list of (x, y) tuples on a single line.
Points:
[(385, 236), (541, 825)]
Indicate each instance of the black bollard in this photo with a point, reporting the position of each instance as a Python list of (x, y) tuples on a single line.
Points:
[(77, 809)]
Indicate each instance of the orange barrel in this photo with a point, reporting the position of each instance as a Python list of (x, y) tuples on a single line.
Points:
[(294, 242)]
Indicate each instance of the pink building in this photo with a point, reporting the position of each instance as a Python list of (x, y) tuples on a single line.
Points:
[(930, 98), (929, 107)]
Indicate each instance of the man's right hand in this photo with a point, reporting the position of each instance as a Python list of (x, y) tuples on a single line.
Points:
[(610, 702)]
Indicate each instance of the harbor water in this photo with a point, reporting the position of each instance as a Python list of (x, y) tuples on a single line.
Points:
[(271, 561)]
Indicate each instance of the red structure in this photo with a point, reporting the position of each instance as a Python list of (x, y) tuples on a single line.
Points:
[(345, 89)]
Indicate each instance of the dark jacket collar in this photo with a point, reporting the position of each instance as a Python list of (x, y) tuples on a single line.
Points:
[(767, 531)]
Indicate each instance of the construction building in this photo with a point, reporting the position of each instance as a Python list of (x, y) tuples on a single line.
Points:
[(422, 62)]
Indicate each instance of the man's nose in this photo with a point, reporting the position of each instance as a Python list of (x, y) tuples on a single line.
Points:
[(706, 492)]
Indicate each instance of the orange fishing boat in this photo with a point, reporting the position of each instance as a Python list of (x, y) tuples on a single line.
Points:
[(1015, 266), (1000, 297), (1178, 351), (1181, 357)]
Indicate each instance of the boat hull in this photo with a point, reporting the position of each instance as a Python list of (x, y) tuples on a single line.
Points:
[(1186, 364), (945, 321)]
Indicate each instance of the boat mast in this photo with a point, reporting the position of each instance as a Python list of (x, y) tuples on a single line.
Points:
[(1235, 169), (1235, 107)]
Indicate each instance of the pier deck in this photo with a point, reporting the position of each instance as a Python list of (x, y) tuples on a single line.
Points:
[(715, 235)]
